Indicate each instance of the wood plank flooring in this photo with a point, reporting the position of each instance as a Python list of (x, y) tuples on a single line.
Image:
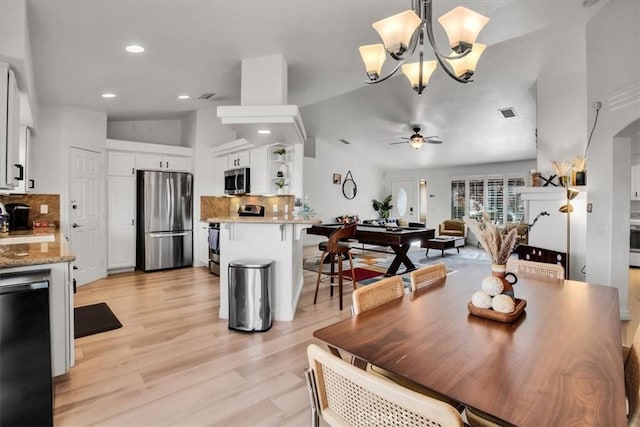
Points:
[(175, 363)]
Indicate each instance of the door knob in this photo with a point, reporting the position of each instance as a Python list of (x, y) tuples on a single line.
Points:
[(74, 225)]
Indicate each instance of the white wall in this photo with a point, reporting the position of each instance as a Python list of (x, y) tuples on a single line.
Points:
[(439, 183), (167, 132), (326, 198), (613, 77), (207, 132)]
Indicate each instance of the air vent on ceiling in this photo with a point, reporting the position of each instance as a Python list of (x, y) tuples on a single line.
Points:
[(207, 95), (344, 141), (589, 3), (507, 113)]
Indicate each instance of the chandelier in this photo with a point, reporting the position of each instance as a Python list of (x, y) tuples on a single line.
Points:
[(405, 32)]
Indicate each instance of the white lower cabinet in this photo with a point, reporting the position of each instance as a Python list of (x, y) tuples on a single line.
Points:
[(121, 236)]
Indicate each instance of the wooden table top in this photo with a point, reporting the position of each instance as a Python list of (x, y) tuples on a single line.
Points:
[(379, 235), (559, 364)]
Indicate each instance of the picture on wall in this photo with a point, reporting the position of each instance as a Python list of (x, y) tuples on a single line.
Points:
[(337, 178)]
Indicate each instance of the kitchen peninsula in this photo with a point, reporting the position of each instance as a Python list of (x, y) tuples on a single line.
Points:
[(276, 236)]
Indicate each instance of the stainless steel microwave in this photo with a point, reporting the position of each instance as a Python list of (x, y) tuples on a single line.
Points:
[(237, 181)]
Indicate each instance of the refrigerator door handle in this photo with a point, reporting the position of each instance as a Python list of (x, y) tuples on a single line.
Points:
[(167, 234)]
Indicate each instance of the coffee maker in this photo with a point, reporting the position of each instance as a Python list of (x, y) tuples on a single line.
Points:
[(18, 216)]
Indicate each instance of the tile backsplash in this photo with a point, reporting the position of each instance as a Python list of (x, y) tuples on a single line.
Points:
[(52, 201)]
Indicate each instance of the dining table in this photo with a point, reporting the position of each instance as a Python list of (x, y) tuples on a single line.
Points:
[(559, 363), (399, 239)]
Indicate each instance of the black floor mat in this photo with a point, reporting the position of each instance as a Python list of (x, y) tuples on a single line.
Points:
[(93, 319)]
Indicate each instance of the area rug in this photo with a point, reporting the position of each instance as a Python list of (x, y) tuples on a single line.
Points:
[(93, 319), (361, 273)]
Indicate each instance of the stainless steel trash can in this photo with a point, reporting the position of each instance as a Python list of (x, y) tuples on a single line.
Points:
[(250, 294)]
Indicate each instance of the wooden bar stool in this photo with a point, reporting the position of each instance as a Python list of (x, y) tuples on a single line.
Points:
[(337, 251)]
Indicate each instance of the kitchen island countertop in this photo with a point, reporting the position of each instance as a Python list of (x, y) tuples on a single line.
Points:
[(275, 219), (19, 254)]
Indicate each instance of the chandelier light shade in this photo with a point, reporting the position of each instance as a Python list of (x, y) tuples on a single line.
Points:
[(462, 27), (416, 141), (465, 67), (404, 34), (373, 56), (412, 71), (396, 31)]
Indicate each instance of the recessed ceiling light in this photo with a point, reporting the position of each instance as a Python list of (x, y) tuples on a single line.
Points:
[(108, 95), (134, 48), (264, 131), (183, 97)]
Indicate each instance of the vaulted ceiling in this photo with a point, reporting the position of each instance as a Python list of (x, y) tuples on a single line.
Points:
[(196, 46)]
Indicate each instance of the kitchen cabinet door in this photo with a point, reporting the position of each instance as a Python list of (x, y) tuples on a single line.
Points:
[(10, 169), (24, 153), (121, 163), (635, 182), (220, 164), (259, 171), (240, 159), (177, 163), (149, 161), (121, 234)]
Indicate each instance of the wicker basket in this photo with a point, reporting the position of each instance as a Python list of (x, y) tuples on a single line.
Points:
[(488, 313)]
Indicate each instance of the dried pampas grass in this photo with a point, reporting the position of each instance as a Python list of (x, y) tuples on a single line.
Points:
[(498, 246)]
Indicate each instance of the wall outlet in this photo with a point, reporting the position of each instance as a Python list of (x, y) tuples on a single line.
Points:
[(44, 209)]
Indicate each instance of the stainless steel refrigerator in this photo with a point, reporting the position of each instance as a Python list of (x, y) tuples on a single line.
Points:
[(165, 227)]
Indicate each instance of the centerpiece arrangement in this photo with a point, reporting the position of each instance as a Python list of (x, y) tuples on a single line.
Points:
[(496, 300)]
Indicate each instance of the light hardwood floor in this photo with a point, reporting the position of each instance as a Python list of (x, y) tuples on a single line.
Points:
[(175, 363)]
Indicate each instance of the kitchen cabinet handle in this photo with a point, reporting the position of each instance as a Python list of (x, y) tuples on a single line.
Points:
[(133, 171), (20, 176), (167, 165), (32, 184), (160, 163)]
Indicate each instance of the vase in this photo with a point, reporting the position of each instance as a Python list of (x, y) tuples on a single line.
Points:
[(500, 271), (564, 180)]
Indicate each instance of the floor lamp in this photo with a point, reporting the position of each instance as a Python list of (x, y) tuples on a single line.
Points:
[(571, 193)]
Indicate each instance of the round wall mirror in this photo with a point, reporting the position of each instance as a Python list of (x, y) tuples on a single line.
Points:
[(349, 187), (401, 202)]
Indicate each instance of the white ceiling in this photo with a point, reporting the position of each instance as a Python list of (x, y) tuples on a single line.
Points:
[(196, 46)]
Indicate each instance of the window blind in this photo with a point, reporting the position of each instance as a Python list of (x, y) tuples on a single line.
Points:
[(457, 198)]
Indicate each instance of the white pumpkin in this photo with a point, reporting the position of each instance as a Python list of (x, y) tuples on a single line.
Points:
[(492, 285), (481, 299), (503, 304)]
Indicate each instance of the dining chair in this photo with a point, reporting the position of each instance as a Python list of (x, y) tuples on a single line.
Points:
[(632, 380), (344, 395), (427, 276), (378, 293), (537, 270), (337, 250)]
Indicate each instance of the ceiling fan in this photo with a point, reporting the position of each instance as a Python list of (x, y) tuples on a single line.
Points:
[(416, 140)]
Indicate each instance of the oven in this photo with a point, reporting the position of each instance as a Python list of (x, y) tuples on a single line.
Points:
[(634, 240), (237, 181)]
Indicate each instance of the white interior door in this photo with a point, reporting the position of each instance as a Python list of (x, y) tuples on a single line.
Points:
[(404, 201), (86, 237)]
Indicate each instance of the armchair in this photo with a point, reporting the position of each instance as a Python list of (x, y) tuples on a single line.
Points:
[(453, 227)]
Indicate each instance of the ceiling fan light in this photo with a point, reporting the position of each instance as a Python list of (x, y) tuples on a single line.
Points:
[(396, 31), (373, 56), (416, 141), (462, 26), (465, 67), (412, 71)]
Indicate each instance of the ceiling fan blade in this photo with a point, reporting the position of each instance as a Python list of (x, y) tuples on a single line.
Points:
[(399, 142), (404, 137)]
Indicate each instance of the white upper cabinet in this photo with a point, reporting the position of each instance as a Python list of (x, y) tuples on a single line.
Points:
[(259, 171), (241, 159), (121, 163), (24, 153), (11, 171), (152, 161), (635, 182)]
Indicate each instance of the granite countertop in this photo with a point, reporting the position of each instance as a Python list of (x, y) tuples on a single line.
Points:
[(19, 254), (276, 219)]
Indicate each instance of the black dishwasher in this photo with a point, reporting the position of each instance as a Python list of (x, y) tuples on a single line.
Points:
[(26, 393)]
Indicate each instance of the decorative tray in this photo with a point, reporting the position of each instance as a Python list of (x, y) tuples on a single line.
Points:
[(488, 313)]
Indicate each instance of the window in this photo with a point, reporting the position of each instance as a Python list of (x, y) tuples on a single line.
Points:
[(495, 199), (458, 199), (476, 197), (496, 194)]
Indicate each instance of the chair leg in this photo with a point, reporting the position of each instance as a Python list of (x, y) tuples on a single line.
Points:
[(315, 298), (340, 279), (353, 274), (332, 274)]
